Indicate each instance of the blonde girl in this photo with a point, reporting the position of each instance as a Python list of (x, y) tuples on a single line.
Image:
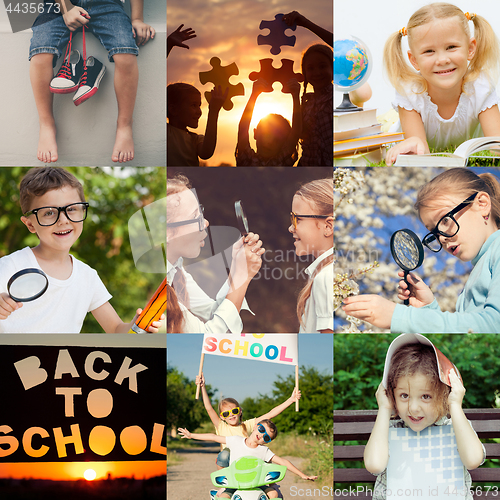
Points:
[(417, 398), (317, 107), (228, 421), (461, 211), (189, 308), (447, 95), (312, 231)]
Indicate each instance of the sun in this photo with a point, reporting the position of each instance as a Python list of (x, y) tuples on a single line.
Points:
[(89, 474)]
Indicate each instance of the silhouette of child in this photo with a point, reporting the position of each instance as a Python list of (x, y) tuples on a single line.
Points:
[(276, 139)]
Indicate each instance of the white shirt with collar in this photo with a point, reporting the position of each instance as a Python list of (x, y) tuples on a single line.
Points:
[(206, 315), (318, 313)]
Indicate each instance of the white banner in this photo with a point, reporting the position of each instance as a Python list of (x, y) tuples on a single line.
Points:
[(273, 347)]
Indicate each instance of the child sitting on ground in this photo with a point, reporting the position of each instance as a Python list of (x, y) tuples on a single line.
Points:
[(184, 110), (54, 208), (254, 445), (276, 140)]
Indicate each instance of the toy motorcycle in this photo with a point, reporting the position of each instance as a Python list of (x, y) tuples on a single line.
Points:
[(246, 475)]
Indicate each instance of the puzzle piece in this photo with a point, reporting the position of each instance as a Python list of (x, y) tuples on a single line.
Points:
[(276, 36), (272, 74), (219, 75)]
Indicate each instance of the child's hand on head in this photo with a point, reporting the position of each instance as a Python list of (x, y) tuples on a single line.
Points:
[(457, 390), (8, 305), (178, 37), (413, 145), (383, 400), (418, 292), (142, 32), (218, 98), (184, 433), (76, 18)]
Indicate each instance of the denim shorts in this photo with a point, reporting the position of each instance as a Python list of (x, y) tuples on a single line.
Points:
[(108, 23), (223, 458)]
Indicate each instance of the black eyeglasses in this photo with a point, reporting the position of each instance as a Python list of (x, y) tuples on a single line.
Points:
[(294, 217), (447, 226), (200, 220), (48, 216)]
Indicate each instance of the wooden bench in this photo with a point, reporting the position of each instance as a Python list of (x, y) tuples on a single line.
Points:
[(356, 425)]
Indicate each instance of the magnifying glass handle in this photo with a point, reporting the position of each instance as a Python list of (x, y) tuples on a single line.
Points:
[(406, 301)]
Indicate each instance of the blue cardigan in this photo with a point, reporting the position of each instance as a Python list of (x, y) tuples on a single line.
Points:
[(478, 306)]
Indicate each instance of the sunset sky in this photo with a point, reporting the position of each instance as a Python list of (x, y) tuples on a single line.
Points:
[(228, 29), (71, 471)]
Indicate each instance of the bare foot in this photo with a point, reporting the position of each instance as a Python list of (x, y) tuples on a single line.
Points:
[(47, 145), (123, 150)]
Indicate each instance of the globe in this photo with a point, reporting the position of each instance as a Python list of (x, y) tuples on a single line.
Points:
[(351, 64)]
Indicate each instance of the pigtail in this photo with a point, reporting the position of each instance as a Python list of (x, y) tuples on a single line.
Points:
[(175, 318), (487, 55), (244, 428), (493, 184), (305, 293), (398, 70)]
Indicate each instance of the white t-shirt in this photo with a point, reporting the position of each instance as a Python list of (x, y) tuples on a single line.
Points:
[(318, 314), (239, 449), (63, 307), (479, 95)]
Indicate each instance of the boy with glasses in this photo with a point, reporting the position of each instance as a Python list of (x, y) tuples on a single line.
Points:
[(255, 446), (54, 208)]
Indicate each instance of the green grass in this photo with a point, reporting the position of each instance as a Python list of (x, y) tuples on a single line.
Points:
[(474, 162), (317, 450)]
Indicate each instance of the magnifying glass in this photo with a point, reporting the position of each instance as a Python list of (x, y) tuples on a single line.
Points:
[(242, 218), (27, 285), (407, 251)]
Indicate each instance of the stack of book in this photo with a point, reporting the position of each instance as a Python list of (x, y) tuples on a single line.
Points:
[(358, 135)]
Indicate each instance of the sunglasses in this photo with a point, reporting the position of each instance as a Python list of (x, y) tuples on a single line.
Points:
[(447, 226), (234, 411), (295, 217), (266, 436)]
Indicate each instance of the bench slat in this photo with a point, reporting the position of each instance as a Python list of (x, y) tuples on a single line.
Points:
[(355, 452)]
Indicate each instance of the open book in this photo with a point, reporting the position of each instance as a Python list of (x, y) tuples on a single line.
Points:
[(457, 159)]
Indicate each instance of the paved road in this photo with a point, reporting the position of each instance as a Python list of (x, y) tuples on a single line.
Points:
[(190, 480)]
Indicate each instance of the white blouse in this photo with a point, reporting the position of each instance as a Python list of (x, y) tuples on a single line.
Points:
[(478, 96), (205, 314), (318, 313)]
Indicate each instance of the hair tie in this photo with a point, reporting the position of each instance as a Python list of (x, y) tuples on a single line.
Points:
[(470, 17), (403, 31)]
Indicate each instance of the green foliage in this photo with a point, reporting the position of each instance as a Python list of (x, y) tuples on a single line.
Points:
[(315, 407), (182, 409), (104, 244), (359, 365)]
